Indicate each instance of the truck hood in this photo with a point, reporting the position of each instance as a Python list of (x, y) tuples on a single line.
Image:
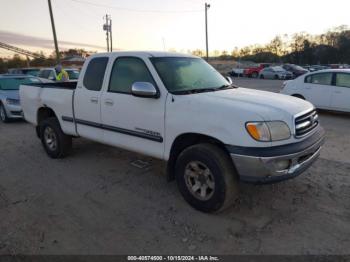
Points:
[(270, 106)]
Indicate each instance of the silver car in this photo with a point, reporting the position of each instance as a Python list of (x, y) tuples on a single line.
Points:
[(275, 72), (9, 95)]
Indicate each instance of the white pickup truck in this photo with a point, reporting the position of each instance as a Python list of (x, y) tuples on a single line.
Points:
[(178, 108)]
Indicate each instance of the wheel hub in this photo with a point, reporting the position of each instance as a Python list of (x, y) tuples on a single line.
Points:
[(50, 138), (199, 180)]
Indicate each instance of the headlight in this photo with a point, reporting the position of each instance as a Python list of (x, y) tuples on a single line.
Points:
[(11, 101), (268, 131)]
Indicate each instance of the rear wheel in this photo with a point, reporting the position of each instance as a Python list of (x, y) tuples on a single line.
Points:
[(276, 77), (255, 74), (3, 115), (55, 142), (206, 178), (262, 77)]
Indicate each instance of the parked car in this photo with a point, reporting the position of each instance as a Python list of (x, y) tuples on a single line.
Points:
[(33, 71), (255, 70), (178, 108), (326, 89), (295, 69), (9, 95), (275, 72), (50, 73), (236, 72), (314, 68)]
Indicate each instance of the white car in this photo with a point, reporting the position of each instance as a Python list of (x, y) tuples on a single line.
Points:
[(326, 89), (178, 108)]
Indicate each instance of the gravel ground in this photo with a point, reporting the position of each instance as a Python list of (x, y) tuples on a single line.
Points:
[(97, 201)]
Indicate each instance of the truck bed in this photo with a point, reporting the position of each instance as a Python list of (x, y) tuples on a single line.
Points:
[(56, 96), (71, 85)]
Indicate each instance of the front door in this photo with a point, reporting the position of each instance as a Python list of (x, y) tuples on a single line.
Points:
[(130, 122)]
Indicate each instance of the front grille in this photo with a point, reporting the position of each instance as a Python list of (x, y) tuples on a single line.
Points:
[(305, 123)]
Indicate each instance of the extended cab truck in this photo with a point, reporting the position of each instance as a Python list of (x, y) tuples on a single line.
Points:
[(178, 108)]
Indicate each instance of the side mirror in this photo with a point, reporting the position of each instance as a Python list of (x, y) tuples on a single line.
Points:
[(144, 89), (229, 80)]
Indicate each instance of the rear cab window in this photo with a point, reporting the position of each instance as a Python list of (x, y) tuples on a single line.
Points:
[(94, 74)]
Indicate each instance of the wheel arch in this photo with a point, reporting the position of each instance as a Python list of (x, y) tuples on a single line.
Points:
[(182, 142), (42, 114)]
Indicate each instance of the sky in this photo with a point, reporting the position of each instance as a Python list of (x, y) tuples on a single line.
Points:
[(164, 24)]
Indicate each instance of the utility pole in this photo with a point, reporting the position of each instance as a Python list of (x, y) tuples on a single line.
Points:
[(105, 27), (207, 6), (54, 33), (110, 33), (108, 28)]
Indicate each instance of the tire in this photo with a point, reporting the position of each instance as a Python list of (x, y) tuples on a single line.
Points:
[(220, 181), (262, 77), (55, 142), (255, 74), (276, 77), (3, 115), (299, 96)]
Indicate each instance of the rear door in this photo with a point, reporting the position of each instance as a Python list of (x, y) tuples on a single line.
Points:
[(341, 92), (87, 103), (318, 89), (130, 122)]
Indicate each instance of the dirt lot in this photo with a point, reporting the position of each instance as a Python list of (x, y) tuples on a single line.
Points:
[(97, 202)]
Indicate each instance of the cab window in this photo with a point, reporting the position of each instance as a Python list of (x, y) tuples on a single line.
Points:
[(126, 71), (94, 74)]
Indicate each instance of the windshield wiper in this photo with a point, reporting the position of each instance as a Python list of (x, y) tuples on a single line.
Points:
[(203, 90), (193, 91), (223, 87)]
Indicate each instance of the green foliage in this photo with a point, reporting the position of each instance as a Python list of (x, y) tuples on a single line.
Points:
[(329, 48)]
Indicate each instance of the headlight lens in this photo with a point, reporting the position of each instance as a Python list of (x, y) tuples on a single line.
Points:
[(268, 131), (11, 101)]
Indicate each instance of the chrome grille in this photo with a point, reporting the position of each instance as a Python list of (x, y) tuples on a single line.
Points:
[(305, 123)]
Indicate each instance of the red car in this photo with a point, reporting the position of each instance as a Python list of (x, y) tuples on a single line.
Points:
[(254, 71)]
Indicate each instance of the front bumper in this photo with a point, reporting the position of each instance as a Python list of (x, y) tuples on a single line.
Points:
[(274, 164), (14, 111)]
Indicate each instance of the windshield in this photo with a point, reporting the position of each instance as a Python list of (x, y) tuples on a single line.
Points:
[(32, 72), (14, 83), (181, 74), (73, 74), (296, 67), (278, 69)]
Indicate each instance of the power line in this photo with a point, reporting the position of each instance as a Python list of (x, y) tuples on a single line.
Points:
[(136, 10)]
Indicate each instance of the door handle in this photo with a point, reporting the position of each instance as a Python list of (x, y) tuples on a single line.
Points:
[(338, 91), (307, 87), (94, 100), (109, 102)]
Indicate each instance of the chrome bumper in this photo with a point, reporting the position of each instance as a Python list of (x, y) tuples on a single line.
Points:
[(269, 169)]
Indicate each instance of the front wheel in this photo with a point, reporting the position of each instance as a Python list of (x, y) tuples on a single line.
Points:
[(55, 142), (3, 115), (206, 178)]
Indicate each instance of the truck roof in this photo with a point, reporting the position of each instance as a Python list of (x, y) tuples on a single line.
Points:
[(147, 53)]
